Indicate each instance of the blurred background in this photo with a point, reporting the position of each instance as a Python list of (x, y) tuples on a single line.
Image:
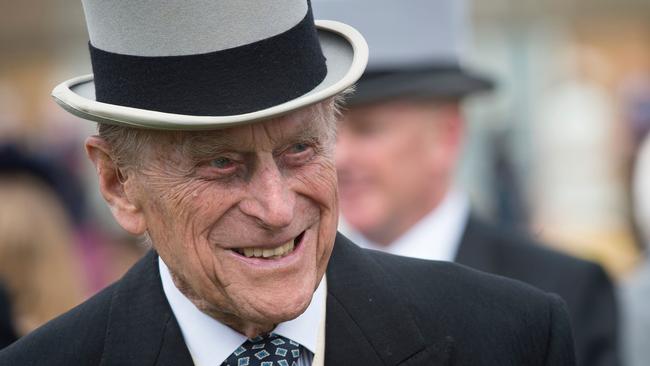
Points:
[(551, 151), (553, 148)]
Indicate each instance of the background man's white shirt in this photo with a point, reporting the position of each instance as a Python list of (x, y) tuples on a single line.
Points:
[(435, 237)]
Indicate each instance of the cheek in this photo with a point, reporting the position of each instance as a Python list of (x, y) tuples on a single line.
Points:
[(318, 185), (367, 155), (176, 204), (380, 155), (180, 217), (405, 157), (383, 168)]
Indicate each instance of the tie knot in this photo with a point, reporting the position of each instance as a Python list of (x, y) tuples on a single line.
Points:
[(270, 350)]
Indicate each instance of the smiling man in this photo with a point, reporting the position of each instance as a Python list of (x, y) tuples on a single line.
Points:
[(273, 182), (216, 137)]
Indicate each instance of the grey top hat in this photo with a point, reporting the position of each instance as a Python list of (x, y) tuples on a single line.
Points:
[(415, 47), (205, 64)]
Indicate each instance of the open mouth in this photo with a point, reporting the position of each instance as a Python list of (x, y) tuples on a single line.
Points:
[(272, 253)]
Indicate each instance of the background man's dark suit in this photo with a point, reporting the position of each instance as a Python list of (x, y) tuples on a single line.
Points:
[(381, 310), (584, 286), (7, 333)]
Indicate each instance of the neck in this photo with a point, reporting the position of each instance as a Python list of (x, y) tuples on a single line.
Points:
[(400, 224), (250, 329)]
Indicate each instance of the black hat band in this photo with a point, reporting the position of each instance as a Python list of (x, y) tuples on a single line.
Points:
[(234, 81)]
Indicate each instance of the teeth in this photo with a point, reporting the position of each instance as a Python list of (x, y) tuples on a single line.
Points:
[(268, 253), (278, 252)]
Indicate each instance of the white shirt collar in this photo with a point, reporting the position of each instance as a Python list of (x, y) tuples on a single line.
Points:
[(435, 237), (211, 342)]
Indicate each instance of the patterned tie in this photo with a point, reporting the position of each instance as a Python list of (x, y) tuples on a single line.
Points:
[(271, 350)]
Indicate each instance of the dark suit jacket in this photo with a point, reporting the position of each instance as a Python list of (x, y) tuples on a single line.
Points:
[(584, 286), (381, 310), (7, 333)]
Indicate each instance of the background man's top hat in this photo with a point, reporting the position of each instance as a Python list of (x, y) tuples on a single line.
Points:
[(415, 47), (205, 64)]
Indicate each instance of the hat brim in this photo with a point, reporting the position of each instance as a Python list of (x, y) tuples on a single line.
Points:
[(434, 82), (344, 48)]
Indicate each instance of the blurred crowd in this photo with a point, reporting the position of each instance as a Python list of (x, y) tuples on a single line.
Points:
[(554, 145)]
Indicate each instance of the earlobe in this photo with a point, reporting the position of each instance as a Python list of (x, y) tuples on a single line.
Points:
[(114, 186)]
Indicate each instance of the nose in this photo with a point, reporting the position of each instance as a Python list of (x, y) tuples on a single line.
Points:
[(270, 201)]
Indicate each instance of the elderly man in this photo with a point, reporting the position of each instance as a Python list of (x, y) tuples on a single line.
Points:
[(398, 149), (246, 266)]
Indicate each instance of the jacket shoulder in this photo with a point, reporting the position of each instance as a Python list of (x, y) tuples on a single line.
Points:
[(517, 254), (73, 338), (583, 285), (484, 314), (435, 278)]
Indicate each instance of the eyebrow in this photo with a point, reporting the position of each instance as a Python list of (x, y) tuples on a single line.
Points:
[(202, 146), (309, 131)]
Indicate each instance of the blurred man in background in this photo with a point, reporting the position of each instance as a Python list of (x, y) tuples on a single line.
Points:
[(635, 290), (398, 148)]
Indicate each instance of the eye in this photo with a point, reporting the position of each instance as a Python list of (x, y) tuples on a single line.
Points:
[(298, 153), (222, 163), (298, 148), (219, 167), (367, 129)]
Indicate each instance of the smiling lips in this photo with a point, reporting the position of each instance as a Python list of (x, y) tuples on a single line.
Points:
[(271, 253)]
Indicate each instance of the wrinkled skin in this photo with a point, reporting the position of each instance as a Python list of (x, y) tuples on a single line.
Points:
[(395, 162), (199, 195)]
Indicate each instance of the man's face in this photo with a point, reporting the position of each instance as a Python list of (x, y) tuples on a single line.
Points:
[(245, 218), (394, 162)]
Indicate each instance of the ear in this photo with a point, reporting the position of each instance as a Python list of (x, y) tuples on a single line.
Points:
[(455, 123), (116, 187), (452, 130)]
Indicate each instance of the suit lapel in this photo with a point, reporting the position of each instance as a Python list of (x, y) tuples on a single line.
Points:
[(368, 322), (345, 342), (142, 329), (173, 351)]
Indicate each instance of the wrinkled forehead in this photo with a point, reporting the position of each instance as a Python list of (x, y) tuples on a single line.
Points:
[(304, 124)]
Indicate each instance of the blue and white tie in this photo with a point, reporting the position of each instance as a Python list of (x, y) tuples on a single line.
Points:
[(271, 350)]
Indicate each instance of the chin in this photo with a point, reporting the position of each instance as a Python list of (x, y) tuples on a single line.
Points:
[(361, 222), (281, 309), (281, 312)]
